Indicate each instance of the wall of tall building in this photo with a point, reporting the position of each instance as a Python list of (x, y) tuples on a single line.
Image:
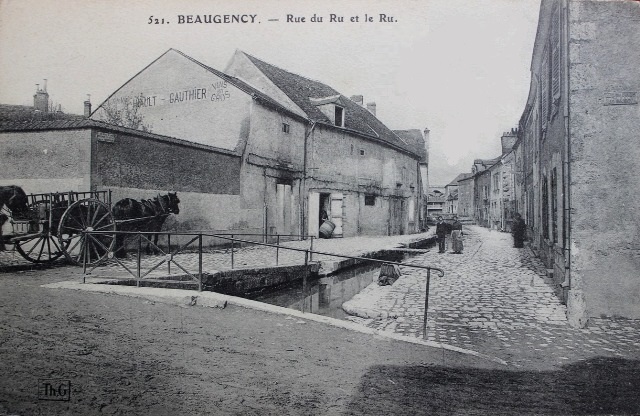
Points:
[(604, 81)]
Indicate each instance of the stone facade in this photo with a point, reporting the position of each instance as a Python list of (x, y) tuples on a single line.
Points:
[(465, 198), (579, 153)]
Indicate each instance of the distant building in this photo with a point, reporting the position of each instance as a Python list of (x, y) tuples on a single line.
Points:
[(436, 201), (466, 207), (451, 194)]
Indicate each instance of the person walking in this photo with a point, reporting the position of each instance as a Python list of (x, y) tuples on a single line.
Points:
[(441, 234), (456, 236), (518, 230)]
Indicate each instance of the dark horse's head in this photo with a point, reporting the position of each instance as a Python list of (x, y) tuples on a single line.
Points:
[(15, 199), (170, 203)]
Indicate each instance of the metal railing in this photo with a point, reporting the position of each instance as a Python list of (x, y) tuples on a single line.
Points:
[(169, 257)]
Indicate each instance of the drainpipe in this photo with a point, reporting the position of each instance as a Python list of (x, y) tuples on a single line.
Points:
[(303, 194), (566, 284)]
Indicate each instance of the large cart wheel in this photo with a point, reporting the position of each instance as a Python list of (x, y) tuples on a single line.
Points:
[(82, 216), (39, 248), (38, 244)]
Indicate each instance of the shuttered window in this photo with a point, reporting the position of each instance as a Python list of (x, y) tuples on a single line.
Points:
[(554, 205), (544, 89), (554, 39)]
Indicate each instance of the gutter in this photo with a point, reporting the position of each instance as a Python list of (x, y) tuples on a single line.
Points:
[(566, 284), (303, 184)]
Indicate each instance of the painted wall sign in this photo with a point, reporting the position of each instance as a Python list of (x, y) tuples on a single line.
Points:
[(106, 137), (620, 98)]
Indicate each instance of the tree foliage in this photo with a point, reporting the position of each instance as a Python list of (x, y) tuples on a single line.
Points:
[(125, 112)]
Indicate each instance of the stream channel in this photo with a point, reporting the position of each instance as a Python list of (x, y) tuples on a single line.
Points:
[(325, 295)]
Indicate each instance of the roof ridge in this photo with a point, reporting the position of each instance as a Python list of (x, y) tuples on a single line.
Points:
[(287, 71)]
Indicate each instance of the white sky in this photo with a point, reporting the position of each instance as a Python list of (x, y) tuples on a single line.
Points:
[(459, 67)]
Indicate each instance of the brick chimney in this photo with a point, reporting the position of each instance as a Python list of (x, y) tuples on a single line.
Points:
[(87, 106), (358, 99), (41, 98), (372, 108)]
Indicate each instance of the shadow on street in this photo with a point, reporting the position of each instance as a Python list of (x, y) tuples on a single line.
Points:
[(591, 387)]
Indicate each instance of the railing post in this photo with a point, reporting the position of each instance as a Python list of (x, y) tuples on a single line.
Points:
[(304, 279), (311, 250), (278, 249), (169, 249), (84, 259), (139, 253), (200, 262), (426, 306), (232, 247)]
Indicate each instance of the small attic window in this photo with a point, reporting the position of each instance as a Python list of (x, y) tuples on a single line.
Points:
[(286, 128), (339, 116)]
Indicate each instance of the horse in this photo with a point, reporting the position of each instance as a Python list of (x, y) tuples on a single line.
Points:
[(144, 215), (15, 199), (17, 203)]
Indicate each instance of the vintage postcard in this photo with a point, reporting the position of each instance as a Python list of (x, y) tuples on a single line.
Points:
[(322, 207)]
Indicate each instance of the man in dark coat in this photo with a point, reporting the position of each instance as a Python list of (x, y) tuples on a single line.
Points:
[(442, 228), (518, 230)]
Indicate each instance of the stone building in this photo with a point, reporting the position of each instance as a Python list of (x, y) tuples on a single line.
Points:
[(436, 202), (577, 148), (451, 194), (495, 196), (466, 208), (481, 172), (254, 150), (420, 143)]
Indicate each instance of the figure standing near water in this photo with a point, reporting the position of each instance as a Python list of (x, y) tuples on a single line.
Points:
[(441, 234), (456, 236)]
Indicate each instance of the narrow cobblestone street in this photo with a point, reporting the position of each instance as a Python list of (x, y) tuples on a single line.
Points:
[(495, 299)]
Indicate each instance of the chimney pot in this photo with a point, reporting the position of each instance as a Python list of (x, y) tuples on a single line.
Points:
[(372, 108), (41, 99), (358, 99), (87, 106)]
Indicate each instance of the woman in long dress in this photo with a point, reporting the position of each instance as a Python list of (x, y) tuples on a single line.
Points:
[(456, 236)]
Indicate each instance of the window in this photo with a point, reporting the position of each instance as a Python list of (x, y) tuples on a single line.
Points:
[(545, 207), (554, 38), (554, 204), (370, 200), (339, 116), (285, 127), (544, 88)]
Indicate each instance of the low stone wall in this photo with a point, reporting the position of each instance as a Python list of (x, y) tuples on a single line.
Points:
[(240, 281)]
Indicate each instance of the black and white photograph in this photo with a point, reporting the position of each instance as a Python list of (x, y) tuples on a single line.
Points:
[(277, 207)]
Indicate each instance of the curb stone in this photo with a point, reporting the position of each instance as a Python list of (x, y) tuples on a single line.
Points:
[(181, 297)]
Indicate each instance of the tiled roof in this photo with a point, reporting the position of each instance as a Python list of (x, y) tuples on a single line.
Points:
[(460, 177), (301, 90), (81, 122), (22, 117), (10, 112), (414, 138)]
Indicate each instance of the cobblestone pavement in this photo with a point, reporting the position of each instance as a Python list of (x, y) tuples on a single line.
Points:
[(495, 299)]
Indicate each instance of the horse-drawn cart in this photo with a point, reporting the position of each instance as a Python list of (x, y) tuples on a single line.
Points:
[(55, 224), (79, 225)]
